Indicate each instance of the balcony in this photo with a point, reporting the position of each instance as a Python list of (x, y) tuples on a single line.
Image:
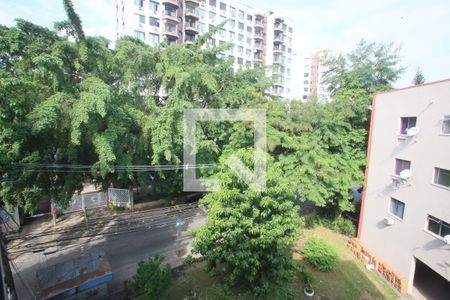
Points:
[(278, 71), (189, 39), (259, 24), (170, 31), (278, 49), (259, 36), (173, 3), (278, 39), (194, 2), (278, 60), (258, 58), (170, 15), (279, 27), (191, 12), (191, 27), (259, 46)]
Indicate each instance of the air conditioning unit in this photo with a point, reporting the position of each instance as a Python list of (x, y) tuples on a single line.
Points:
[(447, 239), (405, 174), (388, 221), (410, 132)]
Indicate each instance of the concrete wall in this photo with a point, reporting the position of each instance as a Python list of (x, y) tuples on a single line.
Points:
[(399, 243)]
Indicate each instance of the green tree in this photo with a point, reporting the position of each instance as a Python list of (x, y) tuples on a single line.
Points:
[(248, 233), (419, 78), (151, 278)]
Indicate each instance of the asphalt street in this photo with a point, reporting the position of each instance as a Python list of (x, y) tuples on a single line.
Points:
[(126, 239)]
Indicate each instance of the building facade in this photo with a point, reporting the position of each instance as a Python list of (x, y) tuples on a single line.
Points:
[(309, 77), (257, 38), (405, 213)]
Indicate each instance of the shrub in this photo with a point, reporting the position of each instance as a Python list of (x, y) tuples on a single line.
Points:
[(320, 254), (189, 260), (151, 278), (344, 226)]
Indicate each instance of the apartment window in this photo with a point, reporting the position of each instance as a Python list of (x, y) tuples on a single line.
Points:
[(201, 13), (306, 75), (248, 52), (442, 177), (140, 19), (240, 61), (212, 16), (223, 6), (232, 35), (406, 123), (397, 208), (241, 26), (153, 6), (154, 22), (154, 38), (210, 26), (231, 57), (446, 125), (241, 14), (290, 29), (306, 90), (401, 165), (241, 50), (222, 32), (249, 42), (249, 17), (222, 19), (241, 38), (232, 11), (212, 3), (201, 27), (305, 82), (249, 29), (139, 35), (438, 226), (221, 42), (139, 3)]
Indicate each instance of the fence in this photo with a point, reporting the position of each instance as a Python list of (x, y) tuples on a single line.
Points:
[(120, 197), (117, 197), (85, 201)]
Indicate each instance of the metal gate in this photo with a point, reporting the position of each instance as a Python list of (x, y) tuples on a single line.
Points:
[(120, 197)]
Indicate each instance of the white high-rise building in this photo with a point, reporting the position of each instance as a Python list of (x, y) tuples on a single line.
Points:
[(257, 37), (309, 76)]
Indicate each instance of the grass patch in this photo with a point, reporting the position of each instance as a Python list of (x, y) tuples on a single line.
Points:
[(349, 281)]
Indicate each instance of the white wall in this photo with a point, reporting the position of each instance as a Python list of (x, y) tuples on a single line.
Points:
[(399, 243)]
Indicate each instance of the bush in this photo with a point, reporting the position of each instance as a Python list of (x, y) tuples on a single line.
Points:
[(151, 278), (189, 260), (340, 225), (320, 254), (344, 226)]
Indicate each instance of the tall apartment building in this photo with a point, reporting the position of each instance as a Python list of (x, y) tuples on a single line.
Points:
[(405, 213), (257, 38), (309, 76)]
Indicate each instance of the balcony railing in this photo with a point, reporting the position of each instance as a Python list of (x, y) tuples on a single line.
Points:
[(170, 13), (191, 12), (171, 2), (279, 38), (171, 31), (259, 23), (279, 27)]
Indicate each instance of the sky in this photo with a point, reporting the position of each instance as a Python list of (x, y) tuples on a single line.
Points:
[(421, 28)]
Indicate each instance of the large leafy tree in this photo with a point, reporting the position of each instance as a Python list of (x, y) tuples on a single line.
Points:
[(248, 233), (68, 98)]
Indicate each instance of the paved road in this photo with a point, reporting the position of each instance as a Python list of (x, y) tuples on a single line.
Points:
[(126, 239)]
